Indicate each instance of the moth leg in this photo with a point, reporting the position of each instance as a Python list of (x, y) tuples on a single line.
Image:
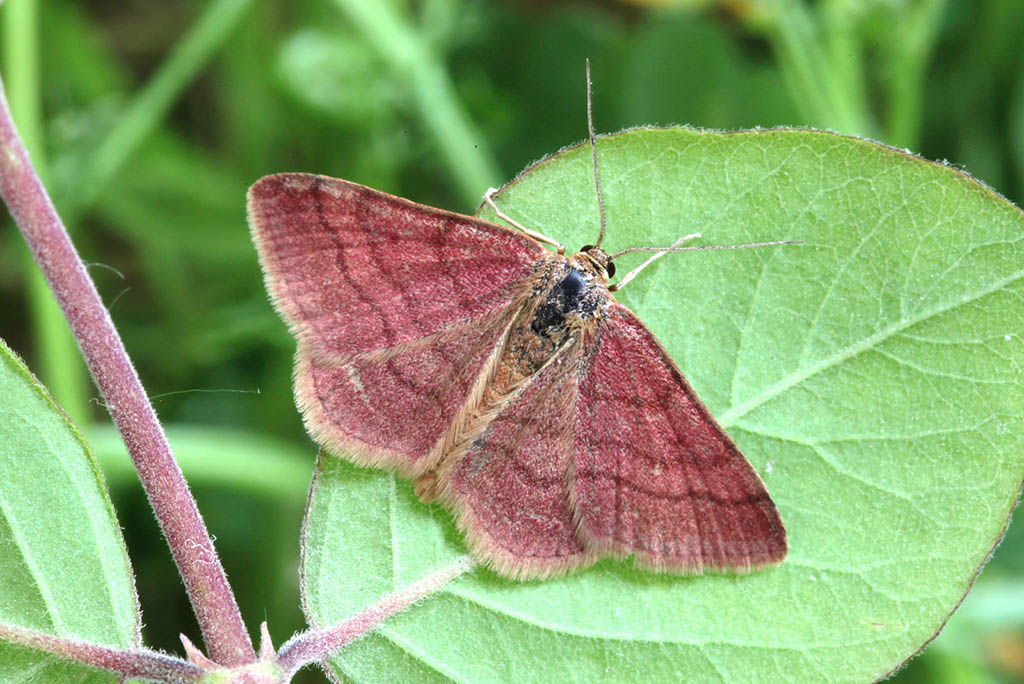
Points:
[(539, 237)]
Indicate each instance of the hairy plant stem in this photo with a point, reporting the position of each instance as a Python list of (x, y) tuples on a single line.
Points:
[(140, 663), (205, 581), (317, 644)]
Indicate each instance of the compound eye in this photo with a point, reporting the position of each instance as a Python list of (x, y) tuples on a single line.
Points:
[(586, 248), (610, 267)]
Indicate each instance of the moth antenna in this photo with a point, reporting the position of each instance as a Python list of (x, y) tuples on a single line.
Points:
[(539, 237), (650, 260), (593, 154), (674, 247)]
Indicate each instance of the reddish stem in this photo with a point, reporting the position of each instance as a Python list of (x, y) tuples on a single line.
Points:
[(138, 663), (318, 644), (205, 581)]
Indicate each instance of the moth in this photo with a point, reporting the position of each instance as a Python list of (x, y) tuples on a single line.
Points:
[(507, 381)]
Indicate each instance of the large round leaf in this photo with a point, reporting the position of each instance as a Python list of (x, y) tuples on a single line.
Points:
[(870, 374)]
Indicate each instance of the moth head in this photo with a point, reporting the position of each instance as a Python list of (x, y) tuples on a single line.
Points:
[(598, 259)]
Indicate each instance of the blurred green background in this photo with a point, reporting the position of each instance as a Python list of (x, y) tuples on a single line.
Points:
[(148, 120)]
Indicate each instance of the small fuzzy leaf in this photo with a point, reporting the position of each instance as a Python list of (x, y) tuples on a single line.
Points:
[(871, 375), (63, 565)]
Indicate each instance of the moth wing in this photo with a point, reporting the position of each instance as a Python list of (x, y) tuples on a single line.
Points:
[(393, 409), (398, 309), (353, 270), (508, 486), (653, 474)]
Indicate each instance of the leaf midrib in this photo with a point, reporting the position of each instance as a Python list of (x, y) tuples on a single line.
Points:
[(729, 417)]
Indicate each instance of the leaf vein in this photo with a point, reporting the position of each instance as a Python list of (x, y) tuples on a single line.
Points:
[(869, 342)]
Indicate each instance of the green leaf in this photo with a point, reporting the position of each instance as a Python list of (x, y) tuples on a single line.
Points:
[(63, 565), (870, 374)]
